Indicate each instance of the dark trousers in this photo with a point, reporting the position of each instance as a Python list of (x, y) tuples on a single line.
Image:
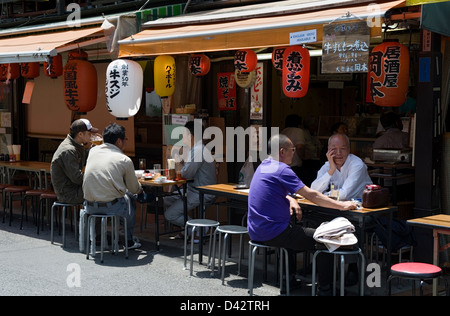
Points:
[(298, 238)]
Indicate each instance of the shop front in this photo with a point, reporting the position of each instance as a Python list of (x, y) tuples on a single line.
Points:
[(334, 93)]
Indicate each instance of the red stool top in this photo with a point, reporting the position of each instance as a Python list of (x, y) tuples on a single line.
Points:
[(417, 270)]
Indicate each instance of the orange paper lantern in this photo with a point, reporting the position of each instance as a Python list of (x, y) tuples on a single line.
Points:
[(30, 70), (296, 64), (277, 57), (245, 60), (9, 71), (80, 85), (53, 68), (199, 64), (389, 74)]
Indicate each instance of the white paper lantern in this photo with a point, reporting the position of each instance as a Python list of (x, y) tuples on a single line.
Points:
[(124, 82)]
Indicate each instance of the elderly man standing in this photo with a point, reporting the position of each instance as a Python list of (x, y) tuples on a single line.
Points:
[(347, 171), (110, 181)]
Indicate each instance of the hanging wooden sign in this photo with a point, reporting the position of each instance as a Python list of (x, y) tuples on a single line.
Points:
[(226, 91), (345, 47)]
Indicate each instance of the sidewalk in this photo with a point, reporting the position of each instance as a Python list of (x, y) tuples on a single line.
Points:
[(31, 265)]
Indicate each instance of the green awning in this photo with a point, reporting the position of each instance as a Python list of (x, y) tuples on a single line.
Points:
[(435, 17)]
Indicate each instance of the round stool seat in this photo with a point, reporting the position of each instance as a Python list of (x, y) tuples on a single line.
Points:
[(34, 192), (49, 195), (4, 185), (416, 270), (232, 229), (17, 189), (202, 222)]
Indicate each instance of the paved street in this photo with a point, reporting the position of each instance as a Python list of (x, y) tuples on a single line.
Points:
[(31, 265)]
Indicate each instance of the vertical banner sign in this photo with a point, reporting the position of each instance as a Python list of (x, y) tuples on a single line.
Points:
[(345, 47), (226, 91), (256, 104)]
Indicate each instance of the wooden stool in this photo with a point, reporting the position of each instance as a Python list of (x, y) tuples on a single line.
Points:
[(10, 191)]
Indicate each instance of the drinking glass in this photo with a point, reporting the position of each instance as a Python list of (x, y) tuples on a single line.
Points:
[(157, 168)]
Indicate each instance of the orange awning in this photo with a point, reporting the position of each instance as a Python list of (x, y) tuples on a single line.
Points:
[(269, 31), (40, 47)]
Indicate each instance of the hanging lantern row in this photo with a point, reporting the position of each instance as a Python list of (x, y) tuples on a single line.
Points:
[(80, 85), (387, 80), (124, 82)]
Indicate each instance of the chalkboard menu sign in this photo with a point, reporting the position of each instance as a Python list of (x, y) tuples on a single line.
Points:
[(345, 47)]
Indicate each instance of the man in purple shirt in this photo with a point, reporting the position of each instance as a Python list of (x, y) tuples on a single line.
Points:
[(270, 207)]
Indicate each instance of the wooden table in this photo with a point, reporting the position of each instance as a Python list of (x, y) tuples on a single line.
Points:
[(36, 167), (160, 194), (357, 216), (440, 224)]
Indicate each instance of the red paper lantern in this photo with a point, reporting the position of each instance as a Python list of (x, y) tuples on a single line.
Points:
[(388, 74), (80, 85), (9, 71), (77, 54), (245, 60), (30, 70), (296, 64), (277, 57), (53, 68), (199, 64)]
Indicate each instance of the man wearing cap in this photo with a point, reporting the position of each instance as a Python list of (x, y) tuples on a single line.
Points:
[(68, 162)]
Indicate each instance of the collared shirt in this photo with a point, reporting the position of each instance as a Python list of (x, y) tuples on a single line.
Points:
[(200, 167), (109, 174), (351, 179), (393, 138)]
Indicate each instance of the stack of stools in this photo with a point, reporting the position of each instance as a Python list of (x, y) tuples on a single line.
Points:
[(341, 254), (200, 223), (115, 221), (253, 247), (416, 271)]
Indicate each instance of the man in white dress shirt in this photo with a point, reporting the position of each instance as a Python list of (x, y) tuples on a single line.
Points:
[(347, 171)]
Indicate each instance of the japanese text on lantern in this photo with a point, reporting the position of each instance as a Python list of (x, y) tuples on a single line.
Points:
[(391, 67), (294, 66), (169, 76), (70, 86), (345, 47), (118, 78), (194, 65), (240, 63), (226, 91)]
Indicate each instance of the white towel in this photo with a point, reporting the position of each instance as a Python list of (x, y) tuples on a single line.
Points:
[(336, 233)]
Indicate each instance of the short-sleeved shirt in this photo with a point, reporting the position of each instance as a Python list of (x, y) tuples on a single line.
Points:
[(268, 207)]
